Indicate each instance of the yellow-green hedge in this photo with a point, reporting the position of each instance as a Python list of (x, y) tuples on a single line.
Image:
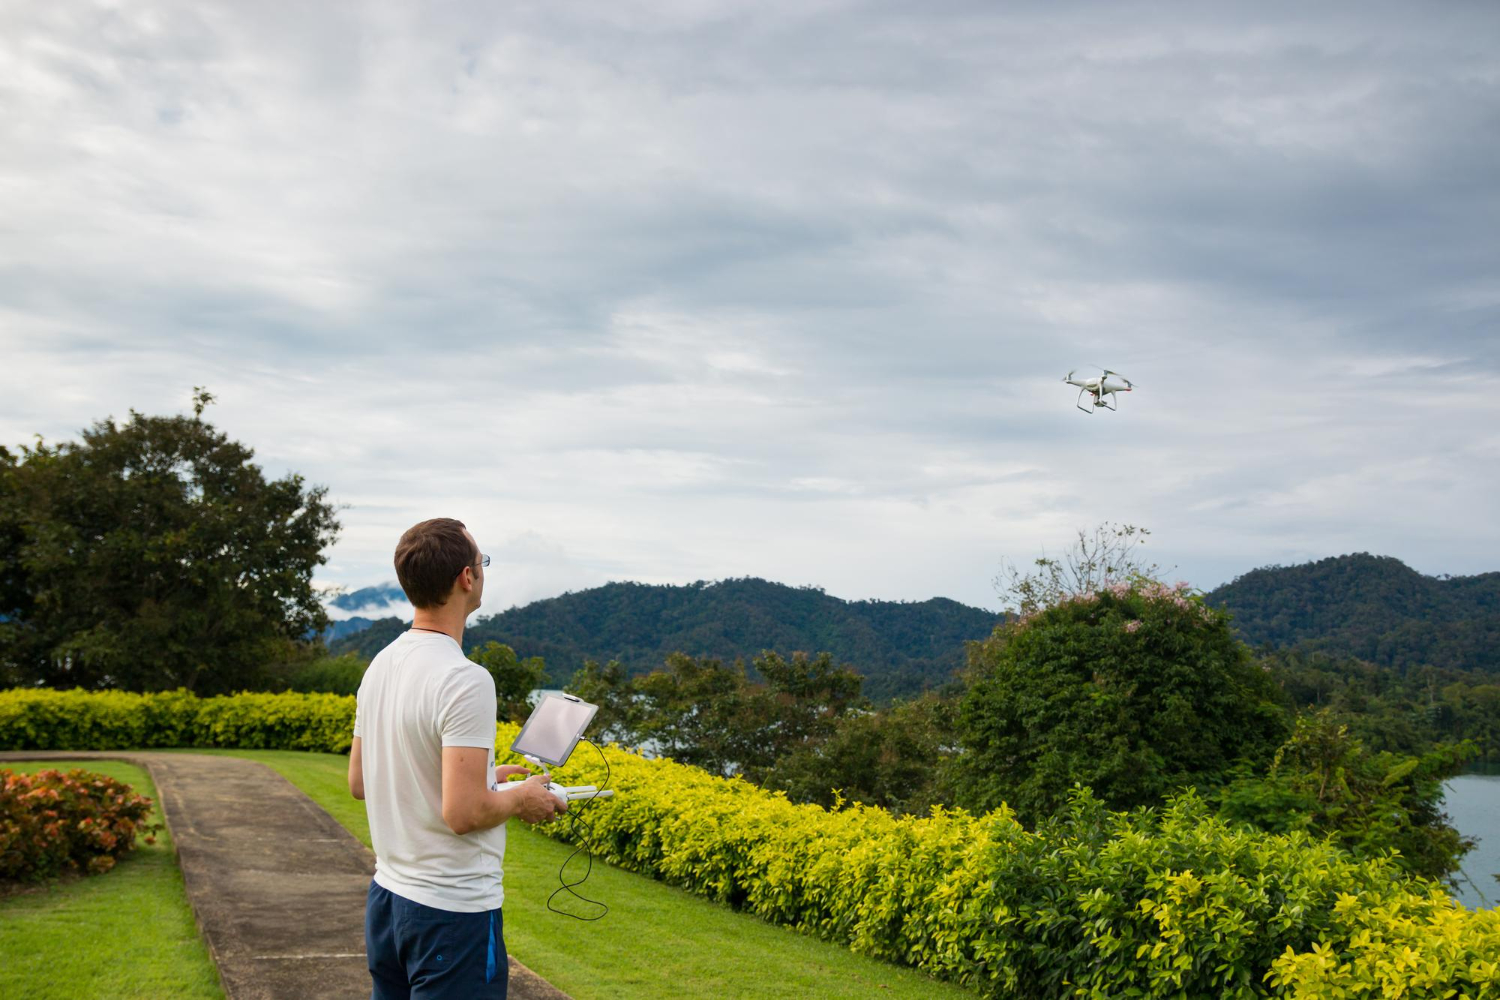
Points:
[(43, 719), (1174, 903)]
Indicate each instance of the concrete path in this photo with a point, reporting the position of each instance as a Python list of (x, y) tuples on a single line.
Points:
[(276, 884)]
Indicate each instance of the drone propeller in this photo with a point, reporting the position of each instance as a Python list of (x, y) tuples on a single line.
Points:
[(1110, 371)]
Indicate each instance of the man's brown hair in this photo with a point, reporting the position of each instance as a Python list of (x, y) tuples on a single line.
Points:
[(429, 557)]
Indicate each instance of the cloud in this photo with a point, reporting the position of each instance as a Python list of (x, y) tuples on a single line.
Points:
[(675, 291)]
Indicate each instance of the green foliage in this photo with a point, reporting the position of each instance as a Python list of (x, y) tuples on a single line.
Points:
[(1401, 711), (330, 674), (1323, 780), (1372, 607), (902, 648), (899, 758), (609, 686), (713, 715), (704, 713), (1136, 690), (52, 822), (43, 719), (368, 641), (152, 555), (1171, 902), (515, 678)]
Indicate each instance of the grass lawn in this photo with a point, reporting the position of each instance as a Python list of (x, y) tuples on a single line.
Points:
[(126, 933), (657, 941)]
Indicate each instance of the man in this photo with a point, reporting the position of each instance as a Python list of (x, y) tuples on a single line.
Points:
[(423, 761)]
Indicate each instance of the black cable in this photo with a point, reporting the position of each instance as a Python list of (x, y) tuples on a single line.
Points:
[(572, 830)]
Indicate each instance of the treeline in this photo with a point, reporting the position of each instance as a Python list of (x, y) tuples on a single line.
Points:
[(1374, 608), (902, 648), (1403, 712)]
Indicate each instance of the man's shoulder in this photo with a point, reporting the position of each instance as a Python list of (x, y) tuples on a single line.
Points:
[(426, 662)]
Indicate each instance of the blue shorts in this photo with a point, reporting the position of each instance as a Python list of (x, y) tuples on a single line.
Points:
[(417, 952)]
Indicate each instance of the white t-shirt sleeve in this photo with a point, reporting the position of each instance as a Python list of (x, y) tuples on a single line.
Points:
[(467, 709), (358, 721)]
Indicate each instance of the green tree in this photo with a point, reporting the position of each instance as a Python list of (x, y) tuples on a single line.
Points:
[(515, 678), (799, 705), (704, 712), (900, 758), (609, 687), (1322, 779), (330, 674), (154, 554), (1134, 690)]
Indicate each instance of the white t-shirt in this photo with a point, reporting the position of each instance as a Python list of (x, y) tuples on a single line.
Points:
[(418, 695)]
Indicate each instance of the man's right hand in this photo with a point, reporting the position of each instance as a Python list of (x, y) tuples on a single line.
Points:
[(534, 803)]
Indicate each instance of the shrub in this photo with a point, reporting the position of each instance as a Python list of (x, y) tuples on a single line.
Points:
[(43, 719), (52, 822), (1169, 902), (1324, 781), (330, 675), (1135, 690)]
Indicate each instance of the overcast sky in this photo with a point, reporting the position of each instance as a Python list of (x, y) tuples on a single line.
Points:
[(691, 290)]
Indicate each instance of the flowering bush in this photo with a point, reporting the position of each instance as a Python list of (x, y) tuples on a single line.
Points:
[(1134, 689), (52, 822)]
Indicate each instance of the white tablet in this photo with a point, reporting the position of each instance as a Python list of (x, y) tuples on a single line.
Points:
[(554, 728)]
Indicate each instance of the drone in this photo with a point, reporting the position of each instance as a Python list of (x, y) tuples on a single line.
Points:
[(1099, 388)]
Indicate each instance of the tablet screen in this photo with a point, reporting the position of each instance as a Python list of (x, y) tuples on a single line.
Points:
[(553, 729)]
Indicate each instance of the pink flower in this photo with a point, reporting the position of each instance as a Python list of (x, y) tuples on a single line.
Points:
[(1132, 625)]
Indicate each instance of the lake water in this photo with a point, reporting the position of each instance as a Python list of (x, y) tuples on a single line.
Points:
[(1472, 802)]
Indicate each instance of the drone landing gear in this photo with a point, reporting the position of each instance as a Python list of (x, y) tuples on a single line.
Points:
[(1098, 402)]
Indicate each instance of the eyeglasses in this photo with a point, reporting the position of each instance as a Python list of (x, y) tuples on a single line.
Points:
[(484, 560)]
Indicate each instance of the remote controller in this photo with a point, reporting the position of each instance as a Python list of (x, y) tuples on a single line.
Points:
[(568, 793)]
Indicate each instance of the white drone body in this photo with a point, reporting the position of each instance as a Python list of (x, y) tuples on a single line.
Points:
[(1100, 390)]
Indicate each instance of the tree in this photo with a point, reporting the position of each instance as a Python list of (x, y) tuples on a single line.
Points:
[(515, 678), (805, 699), (609, 687), (900, 758), (1093, 562), (1134, 690), (1322, 779), (154, 554), (703, 712)]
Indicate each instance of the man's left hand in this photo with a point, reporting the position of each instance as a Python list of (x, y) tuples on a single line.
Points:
[(504, 771)]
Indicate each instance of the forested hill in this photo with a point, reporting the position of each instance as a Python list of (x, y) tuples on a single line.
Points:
[(902, 648), (1374, 607)]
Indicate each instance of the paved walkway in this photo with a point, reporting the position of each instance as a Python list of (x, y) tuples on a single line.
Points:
[(276, 884)]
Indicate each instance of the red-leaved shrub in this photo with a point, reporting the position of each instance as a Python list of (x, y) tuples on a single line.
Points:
[(52, 822)]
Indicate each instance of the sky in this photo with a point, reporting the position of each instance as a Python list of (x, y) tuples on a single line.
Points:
[(688, 290)]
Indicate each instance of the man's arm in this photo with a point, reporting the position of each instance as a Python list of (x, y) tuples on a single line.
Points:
[(469, 805), (356, 771)]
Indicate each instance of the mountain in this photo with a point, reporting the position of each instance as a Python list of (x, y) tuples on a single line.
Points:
[(375, 598), (349, 626), (1373, 607), (902, 648)]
